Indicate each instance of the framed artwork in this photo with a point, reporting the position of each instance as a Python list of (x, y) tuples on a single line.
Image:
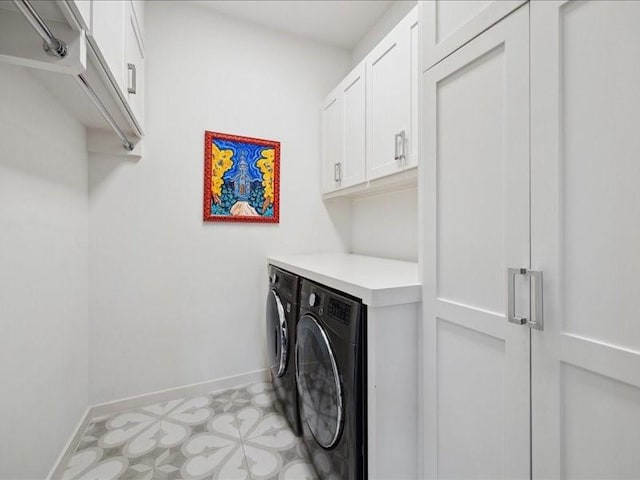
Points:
[(241, 179)]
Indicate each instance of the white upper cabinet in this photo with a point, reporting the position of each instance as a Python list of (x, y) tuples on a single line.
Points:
[(414, 78), (117, 34), (352, 90), (389, 101), (138, 9), (344, 133), (134, 62), (331, 141), (83, 8), (370, 120), (107, 30), (449, 24)]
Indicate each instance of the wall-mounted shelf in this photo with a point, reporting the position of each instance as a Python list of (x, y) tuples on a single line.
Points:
[(79, 74), (19, 45)]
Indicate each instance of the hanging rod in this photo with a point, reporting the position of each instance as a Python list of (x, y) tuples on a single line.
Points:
[(58, 49), (82, 81), (52, 45)]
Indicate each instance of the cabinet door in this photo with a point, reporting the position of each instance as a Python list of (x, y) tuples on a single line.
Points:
[(449, 24), (352, 90), (414, 79), (139, 12), (331, 121), (388, 101), (476, 224), (108, 30), (585, 208), (83, 8), (134, 65)]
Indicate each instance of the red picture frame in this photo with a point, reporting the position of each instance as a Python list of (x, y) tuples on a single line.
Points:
[(241, 179)]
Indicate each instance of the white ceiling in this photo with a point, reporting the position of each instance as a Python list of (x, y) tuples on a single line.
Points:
[(341, 23)]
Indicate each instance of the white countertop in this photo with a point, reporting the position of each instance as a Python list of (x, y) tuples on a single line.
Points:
[(378, 282)]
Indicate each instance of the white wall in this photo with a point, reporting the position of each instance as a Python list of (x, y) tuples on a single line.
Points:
[(385, 225), (43, 276), (175, 300), (396, 11)]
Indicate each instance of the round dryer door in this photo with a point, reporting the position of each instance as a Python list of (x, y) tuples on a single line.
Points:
[(277, 335), (318, 383)]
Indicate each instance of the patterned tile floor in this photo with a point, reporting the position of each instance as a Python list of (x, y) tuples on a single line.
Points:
[(234, 434)]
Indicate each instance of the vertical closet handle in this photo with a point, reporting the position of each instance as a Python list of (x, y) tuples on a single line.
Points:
[(337, 171), (511, 296), (537, 320)]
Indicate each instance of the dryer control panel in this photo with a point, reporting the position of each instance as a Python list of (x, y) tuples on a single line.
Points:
[(341, 313), (339, 310)]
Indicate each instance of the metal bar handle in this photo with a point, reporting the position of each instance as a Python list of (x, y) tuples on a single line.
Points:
[(537, 320), (52, 45), (400, 146), (537, 317), (82, 81), (133, 82), (511, 296), (337, 171)]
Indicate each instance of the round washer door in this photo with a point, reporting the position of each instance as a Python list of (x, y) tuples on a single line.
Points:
[(318, 382), (277, 335)]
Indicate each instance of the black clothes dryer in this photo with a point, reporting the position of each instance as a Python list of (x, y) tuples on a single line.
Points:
[(282, 313), (331, 374)]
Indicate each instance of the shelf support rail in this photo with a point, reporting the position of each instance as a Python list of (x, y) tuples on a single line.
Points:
[(58, 49)]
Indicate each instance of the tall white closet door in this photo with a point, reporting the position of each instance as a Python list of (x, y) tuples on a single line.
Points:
[(449, 24), (476, 184), (585, 167)]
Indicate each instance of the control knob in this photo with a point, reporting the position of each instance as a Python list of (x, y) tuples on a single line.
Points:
[(313, 299)]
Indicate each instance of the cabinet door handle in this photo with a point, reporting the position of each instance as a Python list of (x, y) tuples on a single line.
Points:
[(132, 78), (337, 171), (511, 296), (536, 321), (400, 142)]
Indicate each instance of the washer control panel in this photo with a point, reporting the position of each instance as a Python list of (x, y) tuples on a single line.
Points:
[(287, 284)]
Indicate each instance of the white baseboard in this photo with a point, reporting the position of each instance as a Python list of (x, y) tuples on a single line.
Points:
[(70, 447), (109, 408)]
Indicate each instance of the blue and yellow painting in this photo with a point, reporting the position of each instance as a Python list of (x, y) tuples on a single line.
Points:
[(243, 178)]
